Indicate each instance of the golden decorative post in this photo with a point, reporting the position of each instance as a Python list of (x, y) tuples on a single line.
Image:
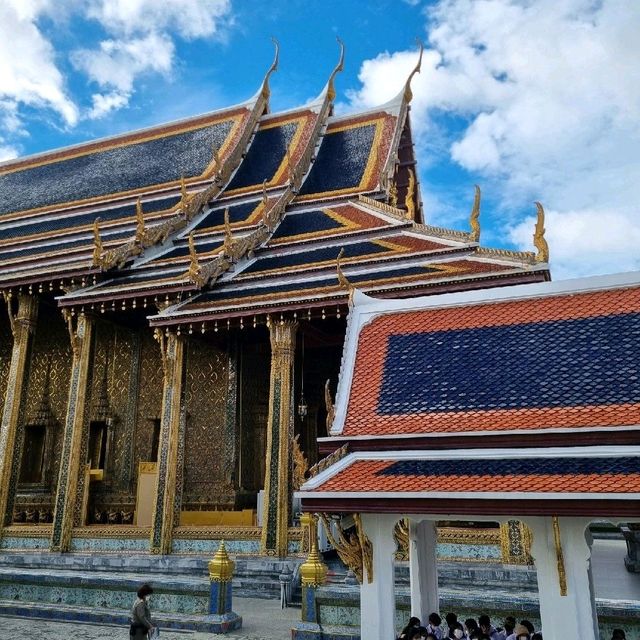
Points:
[(221, 618), (81, 343), (277, 495), (22, 327), (172, 353), (313, 573)]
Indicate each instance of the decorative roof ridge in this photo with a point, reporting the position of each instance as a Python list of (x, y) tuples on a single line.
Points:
[(450, 234), (529, 257), (191, 205), (383, 207)]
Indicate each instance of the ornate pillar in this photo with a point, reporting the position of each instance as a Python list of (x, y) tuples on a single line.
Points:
[(423, 568), (562, 553), (275, 519), (70, 463), (377, 591), (172, 351), (22, 328)]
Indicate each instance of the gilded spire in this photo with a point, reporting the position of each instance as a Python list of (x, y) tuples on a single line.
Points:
[(266, 92), (408, 94), (342, 279), (97, 243), (410, 198), (538, 237), (331, 91), (139, 221), (474, 218)]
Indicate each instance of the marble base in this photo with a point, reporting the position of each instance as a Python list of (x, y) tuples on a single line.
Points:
[(223, 623)]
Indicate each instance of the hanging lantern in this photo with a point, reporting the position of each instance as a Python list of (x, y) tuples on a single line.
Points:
[(303, 407)]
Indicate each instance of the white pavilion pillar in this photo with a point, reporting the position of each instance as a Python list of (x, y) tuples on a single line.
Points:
[(562, 554), (377, 599), (423, 568)]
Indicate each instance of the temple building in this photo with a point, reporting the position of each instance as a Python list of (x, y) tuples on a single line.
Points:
[(176, 303)]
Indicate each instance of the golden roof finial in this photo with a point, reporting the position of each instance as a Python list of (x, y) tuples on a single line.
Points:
[(195, 271), (538, 237), (409, 199), (139, 221), (184, 196), (408, 94), (474, 218), (342, 279), (215, 157), (97, 243), (228, 237), (266, 92), (265, 198), (331, 91)]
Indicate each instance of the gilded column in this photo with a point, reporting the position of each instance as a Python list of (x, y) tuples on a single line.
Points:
[(81, 346), (172, 349), (22, 328), (275, 515)]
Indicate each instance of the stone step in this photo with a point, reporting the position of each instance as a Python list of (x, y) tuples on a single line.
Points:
[(172, 594), (147, 564), (99, 615)]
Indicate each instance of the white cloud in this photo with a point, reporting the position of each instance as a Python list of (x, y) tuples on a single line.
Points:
[(28, 71), (141, 42), (7, 152), (189, 18), (598, 238), (107, 102), (548, 97), (117, 63)]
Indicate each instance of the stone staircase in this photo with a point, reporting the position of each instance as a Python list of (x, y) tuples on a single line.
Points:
[(101, 588)]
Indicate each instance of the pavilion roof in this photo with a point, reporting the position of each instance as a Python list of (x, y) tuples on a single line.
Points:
[(542, 358), (555, 481)]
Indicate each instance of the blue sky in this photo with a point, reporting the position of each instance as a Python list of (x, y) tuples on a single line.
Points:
[(531, 99)]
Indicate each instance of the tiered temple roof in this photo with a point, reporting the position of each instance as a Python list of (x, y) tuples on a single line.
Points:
[(240, 212)]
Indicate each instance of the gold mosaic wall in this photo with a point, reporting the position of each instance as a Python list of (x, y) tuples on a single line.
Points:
[(50, 349), (6, 343), (254, 408), (208, 483), (149, 399)]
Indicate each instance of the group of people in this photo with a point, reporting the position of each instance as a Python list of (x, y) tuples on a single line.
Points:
[(470, 629)]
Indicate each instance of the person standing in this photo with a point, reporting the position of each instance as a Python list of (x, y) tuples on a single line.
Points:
[(141, 625)]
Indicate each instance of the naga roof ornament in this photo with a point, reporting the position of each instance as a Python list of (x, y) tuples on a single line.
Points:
[(539, 240), (410, 200), (140, 229), (408, 94), (265, 91), (331, 91), (474, 218)]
